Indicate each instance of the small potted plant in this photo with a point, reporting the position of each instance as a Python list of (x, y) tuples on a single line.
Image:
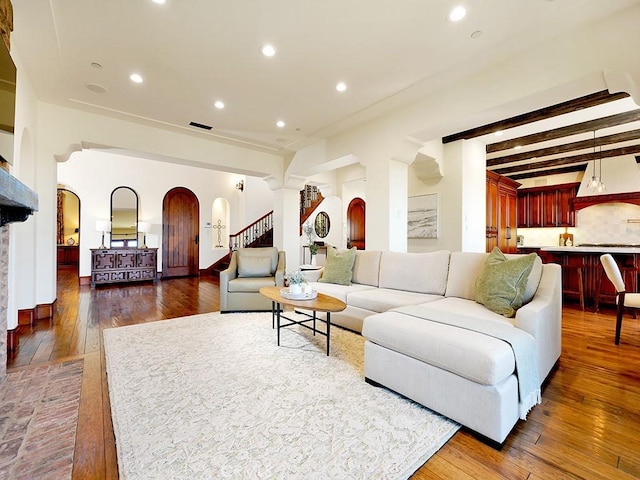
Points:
[(308, 230), (295, 280)]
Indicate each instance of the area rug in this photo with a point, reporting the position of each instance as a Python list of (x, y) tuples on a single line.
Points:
[(212, 396)]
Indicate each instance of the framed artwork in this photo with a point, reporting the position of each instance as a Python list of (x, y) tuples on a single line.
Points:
[(422, 216)]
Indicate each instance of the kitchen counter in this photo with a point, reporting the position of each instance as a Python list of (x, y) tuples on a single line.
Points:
[(598, 249)]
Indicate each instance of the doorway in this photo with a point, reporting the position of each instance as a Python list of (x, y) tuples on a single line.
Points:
[(180, 228), (68, 229), (356, 215)]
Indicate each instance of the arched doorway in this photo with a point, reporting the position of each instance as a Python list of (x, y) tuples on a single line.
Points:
[(180, 228), (68, 229), (356, 215)]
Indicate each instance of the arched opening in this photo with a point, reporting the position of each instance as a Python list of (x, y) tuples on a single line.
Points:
[(220, 223), (68, 228)]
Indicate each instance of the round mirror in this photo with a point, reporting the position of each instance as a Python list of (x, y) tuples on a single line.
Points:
[(322, 224), (124, 217)]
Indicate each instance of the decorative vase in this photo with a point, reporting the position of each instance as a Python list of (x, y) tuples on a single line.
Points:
[(295, 289), (313, 259)]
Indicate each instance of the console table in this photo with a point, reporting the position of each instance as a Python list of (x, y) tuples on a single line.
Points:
[(114, 265)]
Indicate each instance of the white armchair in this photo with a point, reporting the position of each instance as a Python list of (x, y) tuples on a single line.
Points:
[(249, 270)]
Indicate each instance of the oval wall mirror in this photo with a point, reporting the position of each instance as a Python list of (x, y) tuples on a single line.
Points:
[(322, 224), (124, 217)]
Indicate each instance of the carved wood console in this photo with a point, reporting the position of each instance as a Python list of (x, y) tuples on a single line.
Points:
[(115, 265)]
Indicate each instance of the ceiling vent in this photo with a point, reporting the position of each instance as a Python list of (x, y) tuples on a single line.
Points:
[(200, 125)]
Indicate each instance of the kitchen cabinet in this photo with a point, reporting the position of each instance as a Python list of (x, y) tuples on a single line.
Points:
[(580, 265), (548, 206), (502, 208)]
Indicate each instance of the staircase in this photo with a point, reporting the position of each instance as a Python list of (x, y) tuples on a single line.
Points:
[(258, 234)]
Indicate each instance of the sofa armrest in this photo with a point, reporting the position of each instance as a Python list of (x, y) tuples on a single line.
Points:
[(313, 275), (542, 318), (230, 273), (281, 268)]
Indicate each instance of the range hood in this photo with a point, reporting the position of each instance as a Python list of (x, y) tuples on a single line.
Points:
[(17, 201), (621, 175)]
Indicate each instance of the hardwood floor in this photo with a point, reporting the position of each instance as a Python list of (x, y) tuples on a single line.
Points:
[(587, 427)]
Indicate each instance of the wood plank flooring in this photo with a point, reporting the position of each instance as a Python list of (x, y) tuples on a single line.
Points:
[(588, 426)]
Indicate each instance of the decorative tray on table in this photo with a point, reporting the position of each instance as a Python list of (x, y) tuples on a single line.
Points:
[(284, 292)]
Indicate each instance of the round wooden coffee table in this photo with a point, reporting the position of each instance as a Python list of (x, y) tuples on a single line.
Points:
[(322, 303)]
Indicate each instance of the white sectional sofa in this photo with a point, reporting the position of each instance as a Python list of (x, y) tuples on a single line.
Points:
[(428, 339)]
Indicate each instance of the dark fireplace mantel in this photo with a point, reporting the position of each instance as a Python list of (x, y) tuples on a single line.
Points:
[(17, 201)]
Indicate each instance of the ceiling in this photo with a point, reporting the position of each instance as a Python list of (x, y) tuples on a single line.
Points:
[(80, 53)]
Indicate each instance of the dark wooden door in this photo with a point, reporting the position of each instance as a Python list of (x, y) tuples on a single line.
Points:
[(180, 227), (356, 216)]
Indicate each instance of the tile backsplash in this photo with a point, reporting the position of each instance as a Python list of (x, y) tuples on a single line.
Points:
[(604, 223)]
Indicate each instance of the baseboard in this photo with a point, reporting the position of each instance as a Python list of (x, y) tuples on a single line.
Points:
[(29, 316), (12, 339), (84, 280)]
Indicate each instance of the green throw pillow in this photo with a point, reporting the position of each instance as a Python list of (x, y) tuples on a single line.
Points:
[(339, 266), (501, 284)]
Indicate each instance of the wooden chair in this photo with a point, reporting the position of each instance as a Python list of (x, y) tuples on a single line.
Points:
[(630, 300)]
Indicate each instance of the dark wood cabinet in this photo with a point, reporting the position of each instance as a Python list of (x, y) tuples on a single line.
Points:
[(502, 208), (68, 255), (549, 206), (114, 265)]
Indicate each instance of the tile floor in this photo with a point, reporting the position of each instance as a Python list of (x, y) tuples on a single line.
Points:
[(38, 420)]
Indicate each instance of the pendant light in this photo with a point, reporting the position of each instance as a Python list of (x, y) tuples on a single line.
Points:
[(601, 186), (595, 181)]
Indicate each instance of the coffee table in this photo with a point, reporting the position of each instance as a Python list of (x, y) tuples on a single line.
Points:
[(322, 303)]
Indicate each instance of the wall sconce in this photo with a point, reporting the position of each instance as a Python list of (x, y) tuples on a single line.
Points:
[(240, 185), (144, 228), (103, 226)]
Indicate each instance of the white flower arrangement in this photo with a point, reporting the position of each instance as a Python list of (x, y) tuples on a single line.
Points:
[(295, 278)]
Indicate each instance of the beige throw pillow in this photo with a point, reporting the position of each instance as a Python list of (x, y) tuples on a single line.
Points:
[(254, 266), (339, 266), (501, 284)]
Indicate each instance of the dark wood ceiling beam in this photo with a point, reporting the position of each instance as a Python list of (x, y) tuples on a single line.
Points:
[(553, 171), (583, 127), (585, 157), (569, 106), (567, 147)]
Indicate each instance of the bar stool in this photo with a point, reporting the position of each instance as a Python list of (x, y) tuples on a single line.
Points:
[(579, 269)]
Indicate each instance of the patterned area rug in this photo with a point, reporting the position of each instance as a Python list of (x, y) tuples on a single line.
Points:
[(38, 421), (212, 396)]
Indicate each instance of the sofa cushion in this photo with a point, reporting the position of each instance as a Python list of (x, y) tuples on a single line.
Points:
[(501, 284), (461, 307), (367, 267), (383, 299), (249, 266), (250, 284), (415, 272), (339, 291), (339, 266), (477, 357), (465, 267)]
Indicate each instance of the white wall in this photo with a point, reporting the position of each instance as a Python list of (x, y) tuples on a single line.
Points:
[(92, 175)]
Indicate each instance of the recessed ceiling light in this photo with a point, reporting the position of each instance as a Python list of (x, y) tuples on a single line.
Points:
[(136, 78), (280, 124), (159, 2), (498, 133), (268, 50), (476, 34), (341, 87), (94, 87), (219, 104), (96, 65), (457, 14)]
